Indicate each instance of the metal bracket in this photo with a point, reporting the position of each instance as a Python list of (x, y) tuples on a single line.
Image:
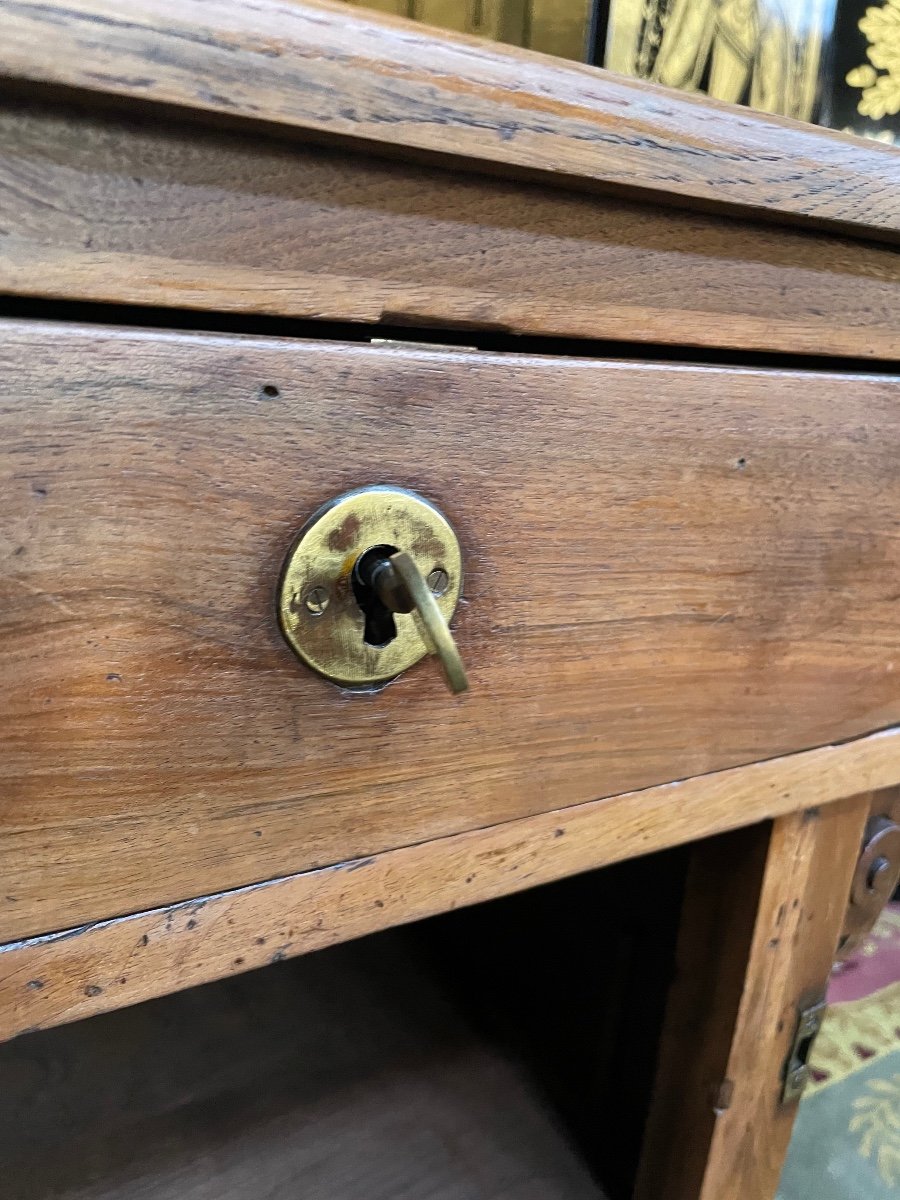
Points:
[(876, 877), (796, 1070)]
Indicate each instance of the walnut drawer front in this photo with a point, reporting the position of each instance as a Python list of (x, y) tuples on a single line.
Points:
[(669, 570)]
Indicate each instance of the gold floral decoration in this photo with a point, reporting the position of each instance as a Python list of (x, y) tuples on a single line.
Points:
[(881, 87), (878, 1120)]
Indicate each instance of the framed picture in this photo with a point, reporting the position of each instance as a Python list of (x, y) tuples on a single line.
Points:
[(835, 62)]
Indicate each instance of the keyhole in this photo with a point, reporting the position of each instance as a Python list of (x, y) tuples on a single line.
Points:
[(380, 628), (804, 1047)]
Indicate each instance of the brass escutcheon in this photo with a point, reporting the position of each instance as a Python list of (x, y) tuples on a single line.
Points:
[(359, 638)]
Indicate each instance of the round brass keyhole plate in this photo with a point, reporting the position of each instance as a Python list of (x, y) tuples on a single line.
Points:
[(318, 611)]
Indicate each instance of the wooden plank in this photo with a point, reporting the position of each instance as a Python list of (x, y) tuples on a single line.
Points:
[(201, 218), (725, 880), (669, 571), (61, 977), (760, 929), (335, 71)]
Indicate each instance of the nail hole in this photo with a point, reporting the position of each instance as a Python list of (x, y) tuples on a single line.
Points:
[(270, 390)]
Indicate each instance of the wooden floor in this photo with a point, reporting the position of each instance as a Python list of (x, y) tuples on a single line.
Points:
[(347, 1075)]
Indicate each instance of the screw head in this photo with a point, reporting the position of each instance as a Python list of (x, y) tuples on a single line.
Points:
[(316, 601), (438, 579)]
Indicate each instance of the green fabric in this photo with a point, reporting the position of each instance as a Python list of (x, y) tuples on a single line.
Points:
[(846, 1140)]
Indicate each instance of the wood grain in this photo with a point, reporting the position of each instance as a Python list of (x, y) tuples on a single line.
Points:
[(334, 71), (349, 1076), (97, 207), (726, 876), (670, 571), (81, 972), (754, 951)]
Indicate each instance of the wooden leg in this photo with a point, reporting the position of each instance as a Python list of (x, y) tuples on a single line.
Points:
[(762, 916)]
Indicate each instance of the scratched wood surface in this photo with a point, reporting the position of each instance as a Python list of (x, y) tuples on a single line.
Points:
[(759, 935), (106, 207), (670, 571), (351, 1075), (404, 88), (48, 980)]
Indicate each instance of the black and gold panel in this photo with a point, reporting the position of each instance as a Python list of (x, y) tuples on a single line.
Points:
[(834, 62), (864, 95), (764, 53), (558, 27)]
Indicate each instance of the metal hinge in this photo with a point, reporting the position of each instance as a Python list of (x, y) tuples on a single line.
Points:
[(874, 882), (796, 1069), (403, 344)]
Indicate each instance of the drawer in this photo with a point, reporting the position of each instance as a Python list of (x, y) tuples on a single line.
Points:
[(191, 216), (669, 570)]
